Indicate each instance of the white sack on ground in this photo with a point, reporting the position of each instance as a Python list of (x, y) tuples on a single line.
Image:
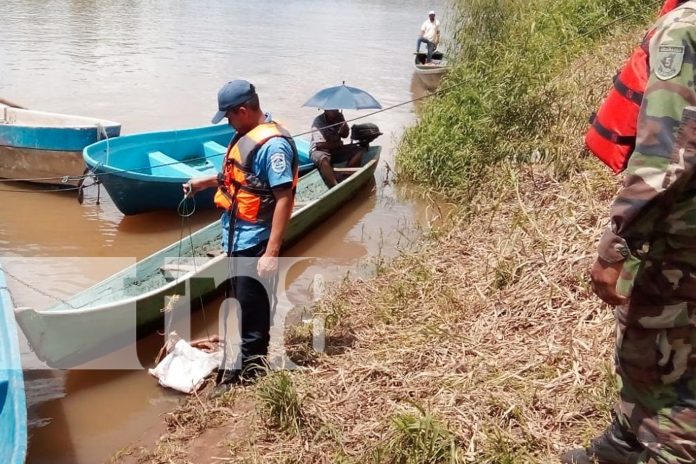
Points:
[(185, 367)]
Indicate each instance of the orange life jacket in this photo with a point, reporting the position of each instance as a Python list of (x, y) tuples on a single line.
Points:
[(612, 133), (251, 197)]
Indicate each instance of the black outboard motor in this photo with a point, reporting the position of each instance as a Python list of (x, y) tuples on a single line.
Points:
[(363, 134)]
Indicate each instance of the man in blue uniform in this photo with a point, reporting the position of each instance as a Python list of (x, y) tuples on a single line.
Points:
[(256, 189)]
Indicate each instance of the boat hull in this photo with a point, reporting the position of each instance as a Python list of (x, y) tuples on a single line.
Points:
[(136, 196), (431, 78), (42, 166), (429, 74), (81, 330), (13, 408)]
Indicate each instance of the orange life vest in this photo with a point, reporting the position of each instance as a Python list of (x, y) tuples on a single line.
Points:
[(612, 133), (241, 190)]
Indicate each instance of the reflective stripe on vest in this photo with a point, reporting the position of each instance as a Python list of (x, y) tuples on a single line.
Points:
[(252, 197), (612, 133)]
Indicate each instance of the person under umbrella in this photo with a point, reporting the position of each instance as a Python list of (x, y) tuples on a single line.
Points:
[(330, 128), (328, 131)]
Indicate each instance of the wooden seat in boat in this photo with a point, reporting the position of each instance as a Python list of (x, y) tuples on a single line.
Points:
[(173, 271), (163, 165), (212, 148)]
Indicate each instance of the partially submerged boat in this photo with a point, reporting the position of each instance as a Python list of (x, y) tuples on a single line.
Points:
[(106, 316), (144, 172), (47, 147), (430, 73), (13, 408)]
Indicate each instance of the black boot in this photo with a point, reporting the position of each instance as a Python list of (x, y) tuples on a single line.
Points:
[(225, 381), (614, 446)]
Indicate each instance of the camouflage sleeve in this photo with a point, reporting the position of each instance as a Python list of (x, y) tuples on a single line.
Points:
[(653, 169)]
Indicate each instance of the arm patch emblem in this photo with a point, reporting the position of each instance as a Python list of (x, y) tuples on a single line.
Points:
[(669, 61), (278, 162)]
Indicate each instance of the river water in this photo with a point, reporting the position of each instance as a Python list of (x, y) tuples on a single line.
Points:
[(152, 65)]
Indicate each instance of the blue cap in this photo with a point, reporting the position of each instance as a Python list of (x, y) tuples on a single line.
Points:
[(232, 94)]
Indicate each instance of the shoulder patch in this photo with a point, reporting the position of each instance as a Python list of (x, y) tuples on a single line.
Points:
[(278, 162), (669, 61)]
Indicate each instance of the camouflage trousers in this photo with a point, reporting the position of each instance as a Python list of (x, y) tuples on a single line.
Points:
[(656, 368)]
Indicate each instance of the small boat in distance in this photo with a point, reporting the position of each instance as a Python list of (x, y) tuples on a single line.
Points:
[(107, 316), (431, 73), (144, 172), (47, 147), (13, 408)]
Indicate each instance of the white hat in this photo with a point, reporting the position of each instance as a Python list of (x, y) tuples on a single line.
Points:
[(431, 13)]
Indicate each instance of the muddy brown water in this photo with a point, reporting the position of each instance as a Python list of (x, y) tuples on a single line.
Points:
[(158, 65)]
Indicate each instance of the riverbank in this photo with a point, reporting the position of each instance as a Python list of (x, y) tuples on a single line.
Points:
[(484, 346)]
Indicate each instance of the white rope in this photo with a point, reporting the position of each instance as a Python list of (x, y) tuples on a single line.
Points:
[(102, 130)]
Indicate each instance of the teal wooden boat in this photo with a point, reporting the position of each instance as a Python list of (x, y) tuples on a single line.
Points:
[(13, 408), (103, 317), (144, 172)]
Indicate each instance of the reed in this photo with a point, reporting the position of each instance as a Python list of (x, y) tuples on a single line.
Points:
[(416, 438), (279, 402)]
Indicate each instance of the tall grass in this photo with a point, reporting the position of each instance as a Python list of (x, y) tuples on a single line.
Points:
[(417, 438), (502, 100), (279, 402)]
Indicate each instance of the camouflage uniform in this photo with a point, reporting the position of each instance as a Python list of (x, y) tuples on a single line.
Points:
[(654, 233)]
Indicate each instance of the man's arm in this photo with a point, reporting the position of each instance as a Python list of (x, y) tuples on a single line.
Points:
[(281, 218), (325, 142), (343, 130), (268, 263), (653, 170), (318, 138), (200, 183), (281, 168)]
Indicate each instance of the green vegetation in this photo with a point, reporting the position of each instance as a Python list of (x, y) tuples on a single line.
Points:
[(417, 438), (505, 97), (279, 401)]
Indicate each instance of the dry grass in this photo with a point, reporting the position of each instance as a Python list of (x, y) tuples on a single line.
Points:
[(491, 331), (484, 347)]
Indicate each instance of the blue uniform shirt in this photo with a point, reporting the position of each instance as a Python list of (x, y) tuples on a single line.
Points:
[(273, 163)]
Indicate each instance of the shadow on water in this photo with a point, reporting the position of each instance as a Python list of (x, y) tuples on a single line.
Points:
[(157, 222), (339, 225), (44, 390), (419, 93)]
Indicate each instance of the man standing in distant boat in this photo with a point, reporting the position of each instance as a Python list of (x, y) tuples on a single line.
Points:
[(256, 189), (429, 35), (327, 148)]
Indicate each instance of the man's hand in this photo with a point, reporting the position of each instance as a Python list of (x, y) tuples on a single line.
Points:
[(267, 265), (604, 276), (197, 184)]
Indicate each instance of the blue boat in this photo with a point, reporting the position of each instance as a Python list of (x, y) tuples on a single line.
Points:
[(144, 172), (47, 147), (13, 407)]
